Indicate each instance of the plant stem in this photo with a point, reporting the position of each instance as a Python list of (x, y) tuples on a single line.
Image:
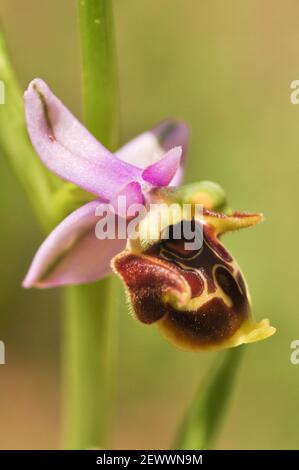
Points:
[(15, 145), (90, 325), (100, 89), (87, 365)]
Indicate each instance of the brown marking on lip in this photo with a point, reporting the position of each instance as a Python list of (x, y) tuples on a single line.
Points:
[(213, 323), (241, 282), (195, 282), (147, 280), (168, 267), (215, 244), (199, 262)]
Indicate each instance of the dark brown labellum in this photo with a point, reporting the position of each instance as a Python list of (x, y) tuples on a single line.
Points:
[(198, 298)]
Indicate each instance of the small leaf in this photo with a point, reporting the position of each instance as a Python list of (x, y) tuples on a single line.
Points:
[(202, 422)]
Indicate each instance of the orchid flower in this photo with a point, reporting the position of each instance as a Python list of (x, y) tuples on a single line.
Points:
[(72, 254), (198, 298)]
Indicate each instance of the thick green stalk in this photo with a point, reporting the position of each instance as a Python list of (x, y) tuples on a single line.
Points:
[(90, 325), (16, 147), (100, 89), (204, 418), (88, 366)]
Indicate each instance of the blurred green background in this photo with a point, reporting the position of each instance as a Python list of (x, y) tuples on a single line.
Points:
[(226, 68)]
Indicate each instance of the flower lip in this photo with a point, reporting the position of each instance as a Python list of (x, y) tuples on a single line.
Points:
[(145, 279), (215, 311)]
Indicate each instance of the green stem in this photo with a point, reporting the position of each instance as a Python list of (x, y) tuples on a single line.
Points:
[(88, 366), (90, 326), (205, 416), (100, 89), (15, 145)]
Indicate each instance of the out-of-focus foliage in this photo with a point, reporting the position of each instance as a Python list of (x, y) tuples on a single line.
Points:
[(226, 68), (204, 417)]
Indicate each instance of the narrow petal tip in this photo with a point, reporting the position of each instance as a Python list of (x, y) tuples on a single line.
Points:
[(149, 147), (35, 85), (235, 221), (26, 284), (162, 172)]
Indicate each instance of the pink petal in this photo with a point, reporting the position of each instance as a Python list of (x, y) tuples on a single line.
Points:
[(130, 194), (68, 149), (72, 254), (150, 146), (162, 172)]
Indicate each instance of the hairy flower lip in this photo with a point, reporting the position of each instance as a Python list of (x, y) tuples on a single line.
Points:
[(141, 275), (215, 311), (166, 308), (250, 332)]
